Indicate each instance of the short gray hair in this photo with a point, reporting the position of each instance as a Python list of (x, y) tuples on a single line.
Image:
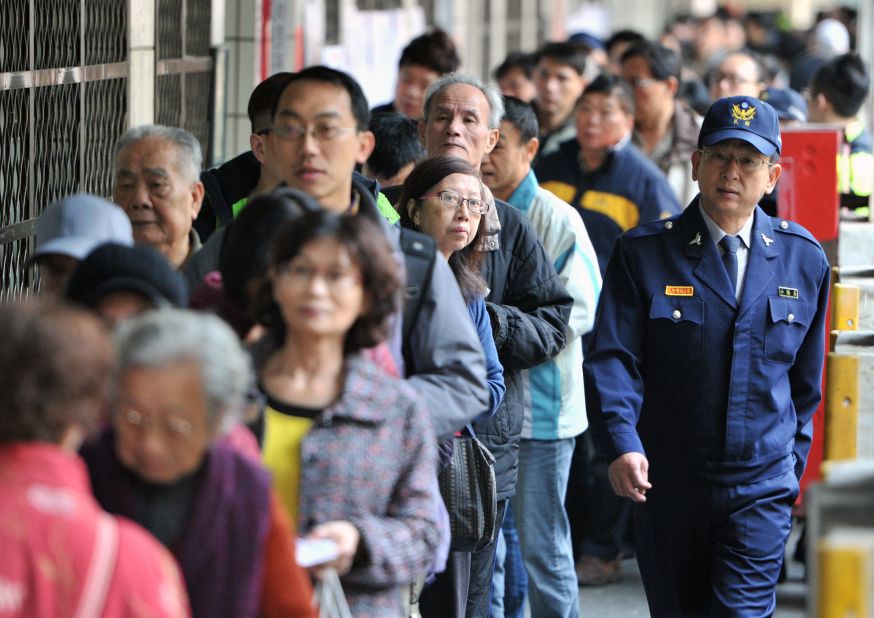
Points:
[(188, 151), (496, 103), (158, 338)]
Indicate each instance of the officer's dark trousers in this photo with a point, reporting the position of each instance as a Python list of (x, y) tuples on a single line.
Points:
[(707, 550)]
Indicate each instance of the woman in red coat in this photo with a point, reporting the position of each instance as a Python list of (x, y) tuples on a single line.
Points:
[(60, 553)]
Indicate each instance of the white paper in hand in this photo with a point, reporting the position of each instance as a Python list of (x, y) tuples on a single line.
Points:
[(310, 552)]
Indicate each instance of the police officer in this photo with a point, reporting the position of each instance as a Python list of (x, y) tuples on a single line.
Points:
[(707, 355)]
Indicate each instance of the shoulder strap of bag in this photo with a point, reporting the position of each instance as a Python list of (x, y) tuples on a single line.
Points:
[(101, 568), (420, 253)]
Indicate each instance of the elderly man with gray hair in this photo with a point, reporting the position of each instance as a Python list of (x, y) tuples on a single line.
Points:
[(529, 310), (156, 182)]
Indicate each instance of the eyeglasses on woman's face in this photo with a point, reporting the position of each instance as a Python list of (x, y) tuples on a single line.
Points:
[(451, 199)]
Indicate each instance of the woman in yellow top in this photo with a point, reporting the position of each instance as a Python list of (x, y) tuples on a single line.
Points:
[(355, 442)]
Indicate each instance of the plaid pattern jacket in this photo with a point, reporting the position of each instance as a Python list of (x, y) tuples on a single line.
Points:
[(371, 459)]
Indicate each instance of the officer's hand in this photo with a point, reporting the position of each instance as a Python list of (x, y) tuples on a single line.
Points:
[(628, 475)]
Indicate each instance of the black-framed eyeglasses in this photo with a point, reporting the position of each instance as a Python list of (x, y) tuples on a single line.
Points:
[(451, 199), (321, 132), (747, 163)]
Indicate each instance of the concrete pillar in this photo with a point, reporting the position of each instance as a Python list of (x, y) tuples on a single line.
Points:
[(141, 81), (242, 36), (529, 27), (497, 36)]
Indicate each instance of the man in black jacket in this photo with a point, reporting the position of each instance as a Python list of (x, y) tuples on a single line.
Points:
[(528, 306), (229, 186)]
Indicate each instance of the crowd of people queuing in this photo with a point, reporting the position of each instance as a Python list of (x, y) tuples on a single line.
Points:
[(581, 267)]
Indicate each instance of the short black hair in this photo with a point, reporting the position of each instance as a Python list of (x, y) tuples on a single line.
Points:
[(571, 54), (623, 36), (326, 75), (515, 60), (844, 82), (611, 85), (434, 50), (243, 254), (662, 62), (397, 144), (522, 116), (262, 101)]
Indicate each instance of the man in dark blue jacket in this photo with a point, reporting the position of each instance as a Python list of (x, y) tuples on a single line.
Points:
[(707, 355), (601, 173)]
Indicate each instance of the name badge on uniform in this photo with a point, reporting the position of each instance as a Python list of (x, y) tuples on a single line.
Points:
[(679, 290), (787, 292)]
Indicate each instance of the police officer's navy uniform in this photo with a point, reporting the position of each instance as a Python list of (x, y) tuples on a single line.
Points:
[(719, 395)]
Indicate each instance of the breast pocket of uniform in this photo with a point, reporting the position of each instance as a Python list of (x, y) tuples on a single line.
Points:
[(676, 326), (787, 323)]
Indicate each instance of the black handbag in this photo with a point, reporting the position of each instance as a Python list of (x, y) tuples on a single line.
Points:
[(469, 491)]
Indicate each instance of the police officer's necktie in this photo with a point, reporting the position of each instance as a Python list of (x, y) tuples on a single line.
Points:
[(730, 245)]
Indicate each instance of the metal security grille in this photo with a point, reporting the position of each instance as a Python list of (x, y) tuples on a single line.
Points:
[(63, 103), (184, 71)]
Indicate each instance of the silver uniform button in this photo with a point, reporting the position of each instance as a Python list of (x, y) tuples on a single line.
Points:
[(669, 225), (784, 225), (676, 314), (791, 317)]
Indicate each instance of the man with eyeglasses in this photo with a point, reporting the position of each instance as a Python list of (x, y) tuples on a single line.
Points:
[(228, 188), (739, 74), (319, 134), (707, 355), (665, 127)]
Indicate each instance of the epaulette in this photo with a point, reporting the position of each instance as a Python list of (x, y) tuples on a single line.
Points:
[(790, 227), (652, 228)]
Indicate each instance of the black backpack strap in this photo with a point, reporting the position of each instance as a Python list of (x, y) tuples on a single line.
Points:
[(420, 252)]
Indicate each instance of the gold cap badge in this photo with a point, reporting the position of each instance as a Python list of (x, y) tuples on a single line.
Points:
[(743, 112)]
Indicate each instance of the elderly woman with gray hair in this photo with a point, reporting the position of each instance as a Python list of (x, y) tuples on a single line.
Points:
[(179, 385)]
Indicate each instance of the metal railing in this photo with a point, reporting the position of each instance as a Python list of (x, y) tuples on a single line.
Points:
[(63, 100), (64, 73), (184, 70)]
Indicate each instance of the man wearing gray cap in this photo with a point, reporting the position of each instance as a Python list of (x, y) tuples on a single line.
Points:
[(707, 358), (68, 230)]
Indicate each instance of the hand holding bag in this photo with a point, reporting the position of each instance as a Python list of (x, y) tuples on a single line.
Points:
[(469, 491)]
